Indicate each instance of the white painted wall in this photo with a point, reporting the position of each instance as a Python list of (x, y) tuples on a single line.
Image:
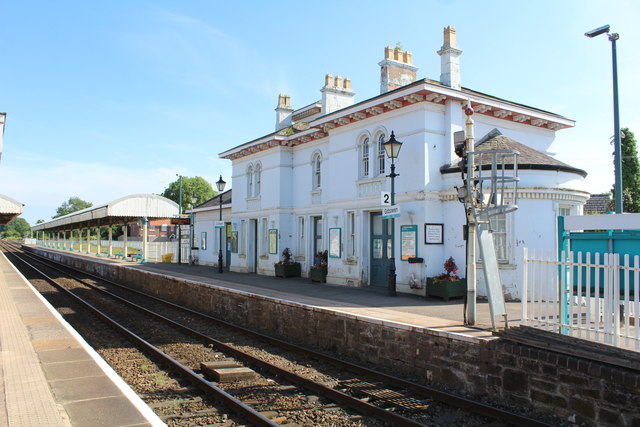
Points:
[(426, 131)]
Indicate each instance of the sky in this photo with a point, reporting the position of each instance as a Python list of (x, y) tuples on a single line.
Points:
[(107, 99)]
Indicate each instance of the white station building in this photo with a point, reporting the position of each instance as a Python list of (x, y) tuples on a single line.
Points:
[(315, 183)]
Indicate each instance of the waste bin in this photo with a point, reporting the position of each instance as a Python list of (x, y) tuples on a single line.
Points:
[(167, 258)]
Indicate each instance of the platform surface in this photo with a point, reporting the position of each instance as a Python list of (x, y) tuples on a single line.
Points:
[(407, 309), (48, 375)]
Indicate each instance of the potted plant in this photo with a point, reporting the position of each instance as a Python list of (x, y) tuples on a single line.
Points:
[(448, 284), (287, 267), (318, 272)]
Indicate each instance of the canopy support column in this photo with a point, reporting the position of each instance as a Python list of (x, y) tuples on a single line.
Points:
[(98, 240), (88, 240)]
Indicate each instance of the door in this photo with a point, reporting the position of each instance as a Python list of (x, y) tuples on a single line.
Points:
[(381, 250), (227, 245), (317, 238), (252, 255)]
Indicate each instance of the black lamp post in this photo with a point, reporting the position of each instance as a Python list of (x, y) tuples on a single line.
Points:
[(392, 148), (180, 215), (617, 150), (194, 200), (220, 184)]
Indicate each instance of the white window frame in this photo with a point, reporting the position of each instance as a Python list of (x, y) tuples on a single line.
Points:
[(242, 239), (565, 210), (365, 157), (316, 170), (257, 172), (250, 181), (351, 234), (501, 237), (381, 155), (301, 249)]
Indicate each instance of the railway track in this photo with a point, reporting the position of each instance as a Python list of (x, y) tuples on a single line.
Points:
[(314, 384)]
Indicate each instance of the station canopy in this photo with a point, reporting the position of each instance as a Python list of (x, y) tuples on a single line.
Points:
[(9, 209), (124, 210)]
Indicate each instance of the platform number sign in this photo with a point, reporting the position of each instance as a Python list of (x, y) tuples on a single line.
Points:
[(385, 198)]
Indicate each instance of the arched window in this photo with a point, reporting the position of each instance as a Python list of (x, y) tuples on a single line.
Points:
[(316, 171), (365, 157), (257, 180), (250, 181), (381, 154)]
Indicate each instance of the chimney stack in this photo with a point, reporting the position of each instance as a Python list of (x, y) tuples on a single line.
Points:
[(450, 60), (336, 94), (396, 69), (283, 112)]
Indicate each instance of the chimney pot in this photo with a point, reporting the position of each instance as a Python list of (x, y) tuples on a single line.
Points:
[(396, 69), (328, 80)]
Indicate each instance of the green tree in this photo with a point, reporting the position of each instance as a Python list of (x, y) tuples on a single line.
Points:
[(630, 173), (74, 204), (197, 186), (16, 229), (40, 221)]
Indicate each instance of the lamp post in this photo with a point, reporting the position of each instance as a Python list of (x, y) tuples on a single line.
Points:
[(617, 151), (179, 215), (192, 227), (392, 148), (220, 184)]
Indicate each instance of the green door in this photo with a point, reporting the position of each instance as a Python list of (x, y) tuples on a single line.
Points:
[(381, 250)]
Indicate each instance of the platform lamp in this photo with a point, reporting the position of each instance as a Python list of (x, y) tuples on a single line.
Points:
[(192, 227), (617, 151), (220, 184), (179, 215), (392, 148)]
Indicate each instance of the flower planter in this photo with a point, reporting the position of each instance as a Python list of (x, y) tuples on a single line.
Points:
[(318, 274), (288, 270), (446, 289)]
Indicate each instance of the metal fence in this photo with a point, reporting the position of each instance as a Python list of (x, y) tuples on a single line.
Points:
[(584, 295)]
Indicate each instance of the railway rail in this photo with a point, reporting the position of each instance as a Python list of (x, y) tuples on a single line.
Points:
[(379, 398)]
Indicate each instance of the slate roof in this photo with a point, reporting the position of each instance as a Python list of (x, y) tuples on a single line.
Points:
[(597, 204), (215, 201), (529, 158)]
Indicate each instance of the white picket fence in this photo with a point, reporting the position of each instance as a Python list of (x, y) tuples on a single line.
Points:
[(582, 296), (155, 249)]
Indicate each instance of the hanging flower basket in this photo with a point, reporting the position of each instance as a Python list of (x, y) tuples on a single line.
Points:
[(448, 284)]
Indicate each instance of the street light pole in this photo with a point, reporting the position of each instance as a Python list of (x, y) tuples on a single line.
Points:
[(179, 215), (392, 148), (616, 124), (617, 150), (220, 184), (192, 228)]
